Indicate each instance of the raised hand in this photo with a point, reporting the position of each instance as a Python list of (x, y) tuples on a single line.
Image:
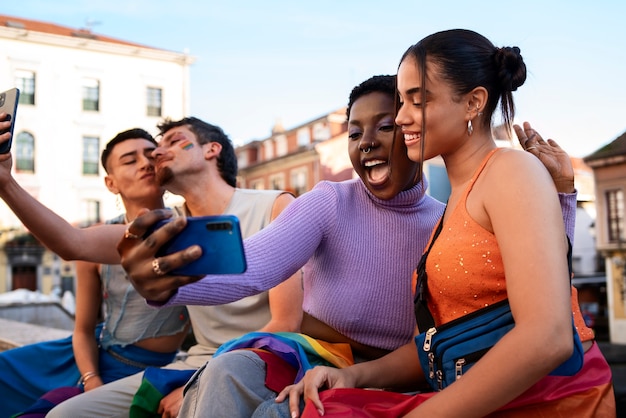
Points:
[(552, 156)]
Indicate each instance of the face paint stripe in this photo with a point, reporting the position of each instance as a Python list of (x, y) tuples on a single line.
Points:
[(186, 144)]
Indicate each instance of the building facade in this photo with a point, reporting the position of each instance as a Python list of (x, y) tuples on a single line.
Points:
[(609, 168), (289, 159), (78, 90)]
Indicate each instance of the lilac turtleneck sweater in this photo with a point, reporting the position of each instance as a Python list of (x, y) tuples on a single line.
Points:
[(358, 253)]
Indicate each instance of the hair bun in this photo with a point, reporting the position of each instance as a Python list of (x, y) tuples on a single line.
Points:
[(511, 67)]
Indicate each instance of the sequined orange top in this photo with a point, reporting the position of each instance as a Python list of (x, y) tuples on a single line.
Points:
[(465, 269)]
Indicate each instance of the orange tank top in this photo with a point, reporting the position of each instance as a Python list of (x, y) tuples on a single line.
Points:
[(465, 269)]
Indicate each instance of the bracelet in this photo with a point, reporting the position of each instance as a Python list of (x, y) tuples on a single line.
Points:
[(85, 377)]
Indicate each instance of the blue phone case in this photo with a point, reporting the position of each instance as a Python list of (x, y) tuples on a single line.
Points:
[(221, 243)]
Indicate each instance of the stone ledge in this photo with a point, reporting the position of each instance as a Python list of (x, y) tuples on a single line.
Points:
[(15, 334)]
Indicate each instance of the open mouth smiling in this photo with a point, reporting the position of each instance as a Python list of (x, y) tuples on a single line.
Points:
[(377, 171)]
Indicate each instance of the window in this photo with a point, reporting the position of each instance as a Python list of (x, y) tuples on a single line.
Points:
[(91, 94), (304, 137), (91, 150), (25, 81), (281, 145), (154, 101), (257, 184), (242, 159), (615, 215), (298, 181), (92, 215), (24, 153), (268, 147), (277, 182), (321, 132)]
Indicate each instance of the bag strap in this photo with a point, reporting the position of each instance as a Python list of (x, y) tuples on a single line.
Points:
[(423, 316)]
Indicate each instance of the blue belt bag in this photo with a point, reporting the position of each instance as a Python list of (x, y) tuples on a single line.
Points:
[(446, 352)]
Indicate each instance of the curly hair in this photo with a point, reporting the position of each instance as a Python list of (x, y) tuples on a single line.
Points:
[(385, 84)]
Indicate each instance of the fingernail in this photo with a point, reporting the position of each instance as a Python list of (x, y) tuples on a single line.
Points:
[(294, 414), (194, 251), (319, 411)]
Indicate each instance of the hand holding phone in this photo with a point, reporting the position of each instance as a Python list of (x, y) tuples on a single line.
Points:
[(8, 105), (220, 240)]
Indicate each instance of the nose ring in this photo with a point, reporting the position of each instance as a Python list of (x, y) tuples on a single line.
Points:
[(367, 150)]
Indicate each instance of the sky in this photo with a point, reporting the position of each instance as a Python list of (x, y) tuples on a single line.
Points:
[(292, 61)]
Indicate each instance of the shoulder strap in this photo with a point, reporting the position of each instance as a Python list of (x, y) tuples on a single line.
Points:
[(423, 316)]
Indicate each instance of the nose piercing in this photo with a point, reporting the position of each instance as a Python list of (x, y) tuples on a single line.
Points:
[(367, 150)]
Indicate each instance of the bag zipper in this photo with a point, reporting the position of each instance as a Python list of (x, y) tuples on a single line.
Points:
[(469, 358), (430, 349)]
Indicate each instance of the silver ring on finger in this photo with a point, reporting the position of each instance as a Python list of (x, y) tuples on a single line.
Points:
[(529, 148), (156, 267), (130, 235)]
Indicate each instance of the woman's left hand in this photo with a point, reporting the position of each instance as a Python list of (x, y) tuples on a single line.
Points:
[(294, 392), (313, 380)]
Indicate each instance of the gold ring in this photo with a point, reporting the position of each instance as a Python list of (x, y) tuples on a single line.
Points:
[(156, 267), (529, 148), (130, 235)]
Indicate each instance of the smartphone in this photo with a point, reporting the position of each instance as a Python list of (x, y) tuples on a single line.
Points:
[(8, 105), (220, 240)]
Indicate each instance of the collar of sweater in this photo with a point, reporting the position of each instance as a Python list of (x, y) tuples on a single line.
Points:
[(407, 199)]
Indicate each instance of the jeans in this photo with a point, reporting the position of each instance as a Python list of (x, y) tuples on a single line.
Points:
[(230, 385)]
